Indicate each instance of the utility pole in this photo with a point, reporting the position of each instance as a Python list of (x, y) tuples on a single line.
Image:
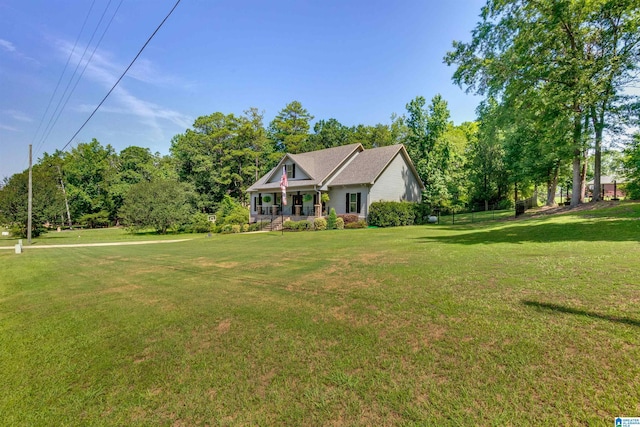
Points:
[(30, 203)]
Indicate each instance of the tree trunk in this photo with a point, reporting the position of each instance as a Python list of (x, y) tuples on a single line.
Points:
[(598, 126), (552, 187), (577, 156), (583, 175)]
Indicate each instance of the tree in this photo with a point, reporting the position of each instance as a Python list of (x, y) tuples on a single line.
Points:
[(566, 50), (201, 156), (428, 150), (632, 164), (90, 170), (161, 204), (48, 201), (330, 133), (289, 130)]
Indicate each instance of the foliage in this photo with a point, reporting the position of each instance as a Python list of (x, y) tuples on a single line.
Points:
[(161, 204), (320, 224), (266, 199), (560, 66), (98, 219), (48, 202), (289, 130), (632, 164), (349, 218), (391, 214), (231, 212), (297, 225), (324, 197), (199, 223), (429, 151), (331, 219), (361, 223), (339, 224)]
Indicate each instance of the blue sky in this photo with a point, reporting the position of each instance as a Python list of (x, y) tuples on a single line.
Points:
[(355, 61)]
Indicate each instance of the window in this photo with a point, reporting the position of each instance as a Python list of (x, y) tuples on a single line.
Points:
[(291, 170), (353, 202)]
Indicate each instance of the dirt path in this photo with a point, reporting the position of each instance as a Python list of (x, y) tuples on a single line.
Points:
[(82, 245)]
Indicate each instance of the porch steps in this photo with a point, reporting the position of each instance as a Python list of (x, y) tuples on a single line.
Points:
[(275, 225)]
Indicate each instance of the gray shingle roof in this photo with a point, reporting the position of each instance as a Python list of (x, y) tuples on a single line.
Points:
[(320, 165), (367, 166)]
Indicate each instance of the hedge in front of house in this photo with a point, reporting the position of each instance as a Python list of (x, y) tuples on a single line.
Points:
[(392, 214)]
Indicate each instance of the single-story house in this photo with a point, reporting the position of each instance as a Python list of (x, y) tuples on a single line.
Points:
[(347, 178), (610, 186)]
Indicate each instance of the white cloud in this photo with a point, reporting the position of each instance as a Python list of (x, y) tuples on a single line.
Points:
[(17, 115), (103, 70), (7, 45), (9, 128)]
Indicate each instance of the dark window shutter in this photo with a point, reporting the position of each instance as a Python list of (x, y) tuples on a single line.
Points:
[(260, 199), (315, 198), (348, 203), (255, 201), (359, 201), (293, 170)]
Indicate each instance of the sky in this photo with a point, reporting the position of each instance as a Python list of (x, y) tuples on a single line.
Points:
[(356, 61)]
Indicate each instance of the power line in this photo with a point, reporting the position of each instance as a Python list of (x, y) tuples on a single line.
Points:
[(86, 64), (54, 118), (64, 70), (122, 76)]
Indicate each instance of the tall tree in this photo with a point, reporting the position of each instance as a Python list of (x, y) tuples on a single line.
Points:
[(90, 170), (289, 130), (521, 47), (426, 147)]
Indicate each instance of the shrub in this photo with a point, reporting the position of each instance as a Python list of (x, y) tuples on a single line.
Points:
[(100, 219), (340, 223), (235, 228), (297, 225), (288, 224), (320, 223), (331, 219), (391, 214), (505, 204), (199, 223), (245, 228), (349, 218), (360, 224)]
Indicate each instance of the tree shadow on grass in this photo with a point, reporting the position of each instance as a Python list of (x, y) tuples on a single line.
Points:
[(620, 230), (578, 312)]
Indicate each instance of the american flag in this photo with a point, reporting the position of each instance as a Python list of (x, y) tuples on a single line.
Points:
[(283, 185)]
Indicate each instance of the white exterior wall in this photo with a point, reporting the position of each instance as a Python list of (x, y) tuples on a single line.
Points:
[(396, 183), (338, 199)]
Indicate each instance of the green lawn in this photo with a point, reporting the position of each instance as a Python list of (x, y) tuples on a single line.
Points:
[(528, 322)]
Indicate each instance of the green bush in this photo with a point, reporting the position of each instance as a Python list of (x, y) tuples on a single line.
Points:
[(236, 228), (320, 224), (339, 223), (245, 228), (505, 204), (297, 225), (331, 219), (99, 219), (352, 225), (392, 214), (199, 223)]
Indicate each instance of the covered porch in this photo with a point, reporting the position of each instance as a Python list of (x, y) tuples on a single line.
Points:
[(301, 204)]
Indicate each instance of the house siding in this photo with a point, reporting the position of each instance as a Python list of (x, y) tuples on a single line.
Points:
[(338, 199), (299, 173), (396, 183)]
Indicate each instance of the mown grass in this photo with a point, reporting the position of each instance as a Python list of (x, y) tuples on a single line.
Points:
[(531, 322), (97, 235)]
